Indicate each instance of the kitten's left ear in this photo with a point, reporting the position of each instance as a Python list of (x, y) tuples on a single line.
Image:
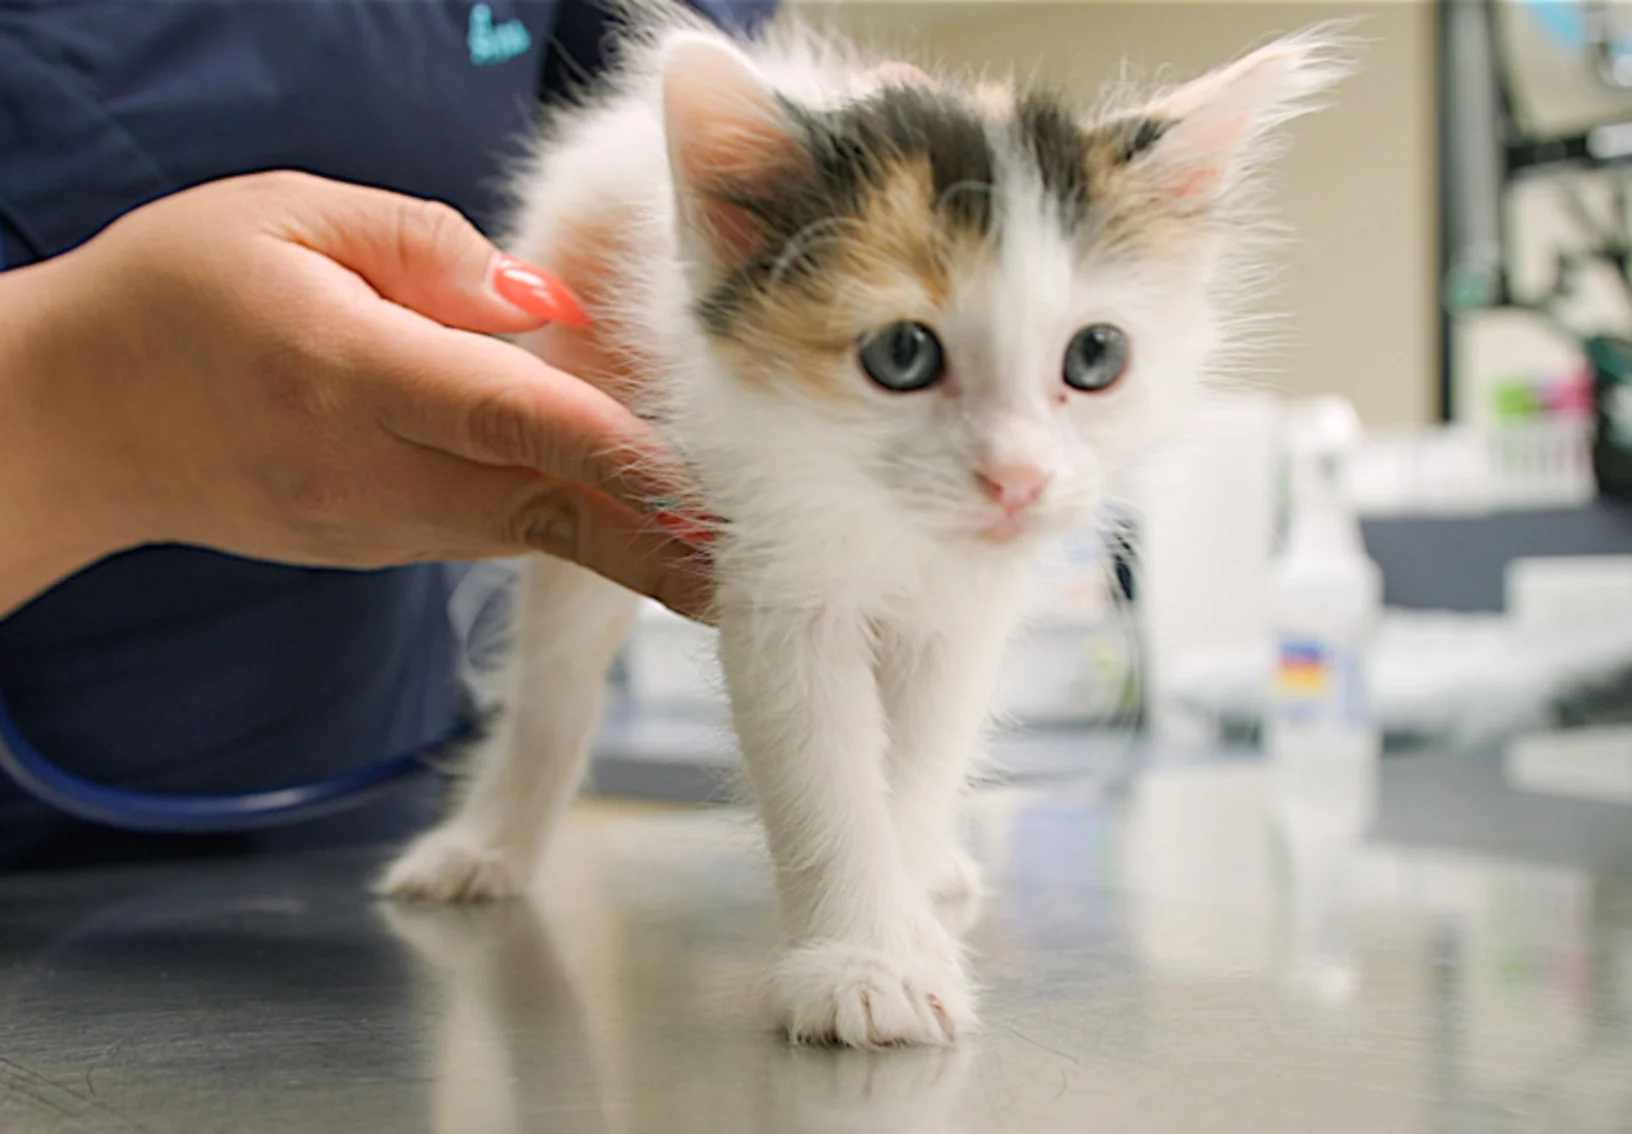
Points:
[(1201, 138), (731, 144)]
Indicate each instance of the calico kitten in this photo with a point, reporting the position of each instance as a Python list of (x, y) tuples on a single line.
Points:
[(900, 331)]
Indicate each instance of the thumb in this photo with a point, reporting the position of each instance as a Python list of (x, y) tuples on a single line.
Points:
[(425, 256)]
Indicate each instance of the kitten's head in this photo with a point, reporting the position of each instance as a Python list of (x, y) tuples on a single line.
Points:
[(980, 299)]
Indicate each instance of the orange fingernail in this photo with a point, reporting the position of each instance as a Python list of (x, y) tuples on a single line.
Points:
[(684, 528), (536, 292)]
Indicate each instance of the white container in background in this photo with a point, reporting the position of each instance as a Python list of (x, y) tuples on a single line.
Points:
[(1320, 734), (1071, 658), (1064, 671), (1568, 591), (1207, 517), (671, 662), (1474, 468)]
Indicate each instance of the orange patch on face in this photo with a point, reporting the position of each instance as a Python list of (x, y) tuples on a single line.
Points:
[(898, 259)]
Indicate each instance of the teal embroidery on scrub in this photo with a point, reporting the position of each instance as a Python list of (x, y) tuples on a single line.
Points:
[(494, 44)]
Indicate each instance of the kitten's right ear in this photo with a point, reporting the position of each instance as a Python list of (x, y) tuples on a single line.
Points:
[(730, 144)]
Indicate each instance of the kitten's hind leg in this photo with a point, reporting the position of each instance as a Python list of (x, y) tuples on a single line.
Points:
[(937, 686), (528, 771)]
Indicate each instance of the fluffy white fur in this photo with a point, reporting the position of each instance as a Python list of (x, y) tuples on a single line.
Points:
[(860, 618)]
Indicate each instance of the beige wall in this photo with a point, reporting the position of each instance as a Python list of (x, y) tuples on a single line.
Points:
[(1357, 186)]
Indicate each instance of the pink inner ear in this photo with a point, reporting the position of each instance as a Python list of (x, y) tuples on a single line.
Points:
[(1205, 144), (733, 233), (1184, 184), (748, 158), (729, 141)]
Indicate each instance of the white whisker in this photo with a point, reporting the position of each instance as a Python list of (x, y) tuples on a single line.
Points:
[(812, 235)]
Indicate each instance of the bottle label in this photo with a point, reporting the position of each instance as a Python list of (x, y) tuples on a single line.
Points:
[(1319, 681), (1305, 671)]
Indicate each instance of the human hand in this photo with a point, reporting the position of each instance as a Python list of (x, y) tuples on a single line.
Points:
[(299, 370)]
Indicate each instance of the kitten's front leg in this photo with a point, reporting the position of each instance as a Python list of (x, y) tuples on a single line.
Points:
[(866, 962), (937, 686)]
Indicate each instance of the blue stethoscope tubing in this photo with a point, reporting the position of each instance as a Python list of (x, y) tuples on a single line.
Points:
[(164, 813), (470, 605)]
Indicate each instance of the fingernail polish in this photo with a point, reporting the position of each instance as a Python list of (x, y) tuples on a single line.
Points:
[(682, 526), (536, 292)]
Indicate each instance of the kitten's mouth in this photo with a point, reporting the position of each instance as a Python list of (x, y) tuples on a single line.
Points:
[(1021, 529), (1004, 528)]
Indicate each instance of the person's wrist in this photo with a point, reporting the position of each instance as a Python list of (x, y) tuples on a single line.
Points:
[(57, 501)]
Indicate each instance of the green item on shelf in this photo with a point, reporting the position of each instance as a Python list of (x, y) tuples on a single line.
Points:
[(1516, 400)]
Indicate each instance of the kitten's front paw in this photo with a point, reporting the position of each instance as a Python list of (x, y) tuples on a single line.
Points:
[(449, 865), (836, 992)]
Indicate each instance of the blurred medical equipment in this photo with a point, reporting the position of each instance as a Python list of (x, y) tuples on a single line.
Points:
[(1325, 597), (1207, 515), (1537, 128), (1441, 508)]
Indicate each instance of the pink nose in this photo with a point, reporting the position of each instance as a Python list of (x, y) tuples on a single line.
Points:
[(1013, 487)]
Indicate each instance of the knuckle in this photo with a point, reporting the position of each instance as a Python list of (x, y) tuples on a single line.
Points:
[(503, 424), (277, 195), (549, 520), (429, 224)]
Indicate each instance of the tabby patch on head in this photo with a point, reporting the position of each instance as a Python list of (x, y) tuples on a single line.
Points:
[(822, 223), (879, 204)]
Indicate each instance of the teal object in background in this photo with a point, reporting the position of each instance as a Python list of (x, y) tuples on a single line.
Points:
[(491, 43), (1563, 20)]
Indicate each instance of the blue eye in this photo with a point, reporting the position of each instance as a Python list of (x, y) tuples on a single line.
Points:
[(903, 357), (1096, 357)]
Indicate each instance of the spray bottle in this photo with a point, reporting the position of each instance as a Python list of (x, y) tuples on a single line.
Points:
[(1325, 599)]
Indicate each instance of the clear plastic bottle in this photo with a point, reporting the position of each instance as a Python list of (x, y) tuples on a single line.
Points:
[(1320, 734)]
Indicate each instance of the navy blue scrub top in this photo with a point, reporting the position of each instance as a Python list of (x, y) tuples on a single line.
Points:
[(179, 669)]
